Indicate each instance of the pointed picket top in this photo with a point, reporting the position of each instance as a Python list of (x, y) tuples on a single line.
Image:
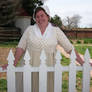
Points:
[(86, 56), (58, 56), (27, 57), (10, 58), (73, 55), (43, 57)]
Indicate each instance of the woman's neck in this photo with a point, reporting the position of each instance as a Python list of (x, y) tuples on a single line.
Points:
[(43, 28)]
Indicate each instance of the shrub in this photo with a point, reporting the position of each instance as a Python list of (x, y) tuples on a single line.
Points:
[(78, 42), (88, 41)]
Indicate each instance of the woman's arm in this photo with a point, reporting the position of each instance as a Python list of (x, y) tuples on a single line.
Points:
[(78, 58), (64, 42), (19, 52)]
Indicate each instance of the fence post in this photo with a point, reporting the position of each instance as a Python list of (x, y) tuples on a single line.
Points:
[(58, 74), (43, 73), (86, 73), (11, 73), (27, 74), (72, 72)]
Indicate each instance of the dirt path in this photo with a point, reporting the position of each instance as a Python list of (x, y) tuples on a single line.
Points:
[(3, 58), (4, 54), (82, 44)]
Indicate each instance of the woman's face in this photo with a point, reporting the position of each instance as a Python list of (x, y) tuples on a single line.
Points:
[(42, 18)]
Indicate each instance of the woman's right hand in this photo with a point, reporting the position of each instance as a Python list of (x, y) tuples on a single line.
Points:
[(4, 66)]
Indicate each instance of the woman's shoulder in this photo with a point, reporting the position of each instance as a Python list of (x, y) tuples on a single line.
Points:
[(30, 28), (56, 29)]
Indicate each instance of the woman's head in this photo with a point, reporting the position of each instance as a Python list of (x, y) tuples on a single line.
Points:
[(43, 8), (41, 15)]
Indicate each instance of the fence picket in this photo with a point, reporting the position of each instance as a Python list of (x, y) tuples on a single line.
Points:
[(11, 73), (27, 73), (72, 72), (43, 73), (86, 73), (58, 73)]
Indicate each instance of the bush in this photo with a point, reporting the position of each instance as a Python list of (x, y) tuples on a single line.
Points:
[(78, 42), (86, 41)]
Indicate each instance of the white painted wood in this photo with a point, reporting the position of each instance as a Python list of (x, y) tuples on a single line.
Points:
[(27, 58), (86, 73), (11, 73), (43, 73), (10, 59), (43, 69), (27, 73), (72, 73), (58, 73)]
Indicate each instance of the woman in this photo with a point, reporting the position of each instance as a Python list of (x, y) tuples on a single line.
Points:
[(40, 36)]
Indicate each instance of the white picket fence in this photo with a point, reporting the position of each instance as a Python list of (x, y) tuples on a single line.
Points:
[(27, 69)]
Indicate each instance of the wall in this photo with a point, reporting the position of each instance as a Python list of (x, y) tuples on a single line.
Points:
[(78, 33), (23, 22)]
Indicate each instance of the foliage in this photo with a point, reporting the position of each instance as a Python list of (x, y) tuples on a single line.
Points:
[(29, 6), (7, 13), (10, 9), (3, 86), (86, 41), (78, 41), (56, 20)]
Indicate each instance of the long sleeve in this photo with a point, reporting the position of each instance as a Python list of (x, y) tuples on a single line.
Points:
[(63, 40)]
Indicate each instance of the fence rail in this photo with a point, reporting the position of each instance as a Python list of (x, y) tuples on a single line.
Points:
[(58, 69)]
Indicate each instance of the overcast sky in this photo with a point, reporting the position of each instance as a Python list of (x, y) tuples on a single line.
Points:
[(65, 8)]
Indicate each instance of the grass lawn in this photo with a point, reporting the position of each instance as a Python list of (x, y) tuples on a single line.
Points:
[(81, 49), (9, 44)]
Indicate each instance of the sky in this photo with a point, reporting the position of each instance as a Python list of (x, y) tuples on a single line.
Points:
[(64, 8)]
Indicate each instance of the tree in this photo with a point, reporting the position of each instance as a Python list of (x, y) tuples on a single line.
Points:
[(7, 13), (56, 20), (30, 5), (72, 22), (9, 10)]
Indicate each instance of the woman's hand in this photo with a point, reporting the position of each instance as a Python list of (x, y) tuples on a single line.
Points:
[(79, 59)]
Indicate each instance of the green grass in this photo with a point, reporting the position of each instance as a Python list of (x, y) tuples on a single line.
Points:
[(9, 44), (65, 81), (82, 40), (3, 85), (88, 40), (82, 49)]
